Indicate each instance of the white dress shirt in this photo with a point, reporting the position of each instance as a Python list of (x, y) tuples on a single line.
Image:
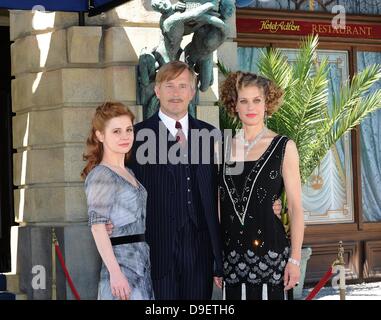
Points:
[(171, 123)]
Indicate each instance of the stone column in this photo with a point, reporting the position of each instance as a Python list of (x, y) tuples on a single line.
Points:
[(62, 72), (59, 79)]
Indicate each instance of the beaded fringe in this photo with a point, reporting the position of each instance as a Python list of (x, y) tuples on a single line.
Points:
[(243, 292)]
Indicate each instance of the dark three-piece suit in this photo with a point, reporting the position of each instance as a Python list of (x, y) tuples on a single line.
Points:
[(182, 227)]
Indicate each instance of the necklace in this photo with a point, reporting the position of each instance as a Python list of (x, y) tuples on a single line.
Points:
[(249, 145)]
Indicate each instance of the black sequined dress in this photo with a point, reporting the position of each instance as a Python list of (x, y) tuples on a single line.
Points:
[(256, 247)]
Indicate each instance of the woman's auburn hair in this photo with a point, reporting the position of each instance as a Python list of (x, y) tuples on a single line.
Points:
[(235, 81), (94, 148)]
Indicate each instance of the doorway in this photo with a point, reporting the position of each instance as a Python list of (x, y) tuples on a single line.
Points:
[(6, 151)]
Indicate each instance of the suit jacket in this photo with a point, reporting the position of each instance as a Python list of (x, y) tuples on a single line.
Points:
[(158, 179)]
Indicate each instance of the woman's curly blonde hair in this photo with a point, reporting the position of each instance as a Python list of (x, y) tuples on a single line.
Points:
[(235, 81)]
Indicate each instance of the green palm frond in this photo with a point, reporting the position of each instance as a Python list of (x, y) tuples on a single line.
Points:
[(274, 66), (226, 120), (306, 59), (350, 93), (352, 106), (225, 71), (355, 115)]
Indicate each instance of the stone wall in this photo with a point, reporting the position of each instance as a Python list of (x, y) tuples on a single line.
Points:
[(62, 72)]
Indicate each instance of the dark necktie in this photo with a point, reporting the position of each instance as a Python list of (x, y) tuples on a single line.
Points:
[(180, 136)]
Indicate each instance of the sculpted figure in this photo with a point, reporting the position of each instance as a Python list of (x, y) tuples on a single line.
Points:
[(206, 20)]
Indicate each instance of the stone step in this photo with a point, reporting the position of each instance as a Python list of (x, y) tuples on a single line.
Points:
[(21, 296), (3, 282), (13, 282), (5, 295)]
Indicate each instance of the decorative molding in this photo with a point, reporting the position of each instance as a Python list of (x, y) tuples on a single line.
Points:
[(372, 264), (323, 255)]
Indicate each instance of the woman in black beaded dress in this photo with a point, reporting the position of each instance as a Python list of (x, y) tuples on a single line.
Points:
[(260, 261)]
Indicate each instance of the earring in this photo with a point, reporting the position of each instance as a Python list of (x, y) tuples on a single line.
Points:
[(266, 117)]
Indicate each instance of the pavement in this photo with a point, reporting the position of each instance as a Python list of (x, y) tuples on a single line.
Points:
[(361, 291)]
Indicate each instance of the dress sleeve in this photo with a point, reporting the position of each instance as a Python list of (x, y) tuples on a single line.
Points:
[(100, 191)]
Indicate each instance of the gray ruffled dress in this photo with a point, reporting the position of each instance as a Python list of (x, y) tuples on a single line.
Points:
[(111, 198)]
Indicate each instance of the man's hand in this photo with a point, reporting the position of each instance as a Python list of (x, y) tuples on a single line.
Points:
[(218, 282), (109, 228), (277, 208)]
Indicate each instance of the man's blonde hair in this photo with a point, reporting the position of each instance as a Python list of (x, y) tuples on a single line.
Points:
[(172, 70)]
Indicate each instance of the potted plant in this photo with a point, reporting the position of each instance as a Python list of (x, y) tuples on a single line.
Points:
[(304, 116)]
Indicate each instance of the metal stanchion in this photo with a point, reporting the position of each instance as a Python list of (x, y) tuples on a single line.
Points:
[(54, 269), (57, 251), (339, 264)]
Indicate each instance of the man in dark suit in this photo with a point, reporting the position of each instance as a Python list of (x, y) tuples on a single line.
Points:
[(182, 226)]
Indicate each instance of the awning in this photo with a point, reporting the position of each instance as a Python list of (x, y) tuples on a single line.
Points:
[(93, 7)]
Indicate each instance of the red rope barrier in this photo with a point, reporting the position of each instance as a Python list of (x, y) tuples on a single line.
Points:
[(321, 284), (67, 275)]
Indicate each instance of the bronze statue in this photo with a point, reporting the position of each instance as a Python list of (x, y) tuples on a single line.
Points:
[(206, 20)]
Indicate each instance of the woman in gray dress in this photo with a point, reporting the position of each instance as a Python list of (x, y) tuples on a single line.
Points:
[(115, 196)]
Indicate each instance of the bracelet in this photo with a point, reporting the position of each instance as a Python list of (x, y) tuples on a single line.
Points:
[(294, 261)]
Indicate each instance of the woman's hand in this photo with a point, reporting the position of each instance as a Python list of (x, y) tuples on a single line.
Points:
[(120, 287), (291, 276), (277, 208)]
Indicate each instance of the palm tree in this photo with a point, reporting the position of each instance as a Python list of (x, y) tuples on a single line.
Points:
[(304, 115)]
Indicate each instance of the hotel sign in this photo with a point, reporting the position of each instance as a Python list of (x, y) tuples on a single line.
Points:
[(303, 28)]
